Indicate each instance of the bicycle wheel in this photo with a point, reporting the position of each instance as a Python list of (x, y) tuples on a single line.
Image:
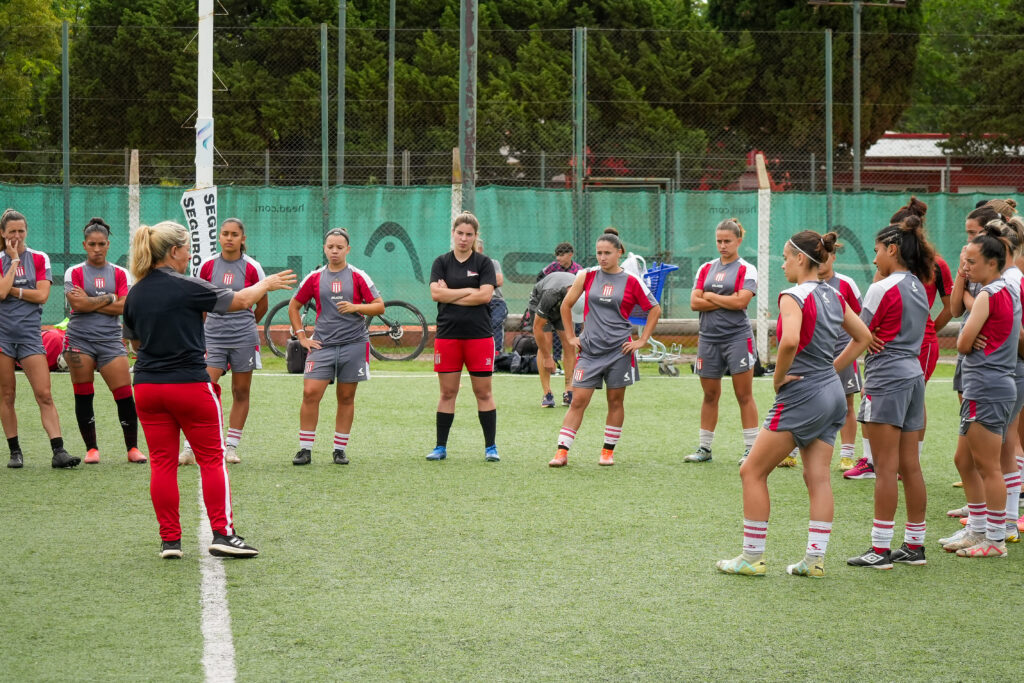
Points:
[(399, 333), (278, 315)]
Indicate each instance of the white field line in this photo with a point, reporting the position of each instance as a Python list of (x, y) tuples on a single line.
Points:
[(218, 643)]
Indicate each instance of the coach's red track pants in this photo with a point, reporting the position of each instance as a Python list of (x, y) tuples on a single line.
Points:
[(164, 411)]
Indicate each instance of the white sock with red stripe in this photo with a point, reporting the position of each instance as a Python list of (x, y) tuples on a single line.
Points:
[(1012, 481), (1020, 463), (995, 529), (705, 437), (234, 436), (881, 534), (306, 440), (846, 450), (754, 537), (976, 517), (748, 436), (817, 537), (612, 435), (913, 535), (867, 452), (340, 441), (565, 437)]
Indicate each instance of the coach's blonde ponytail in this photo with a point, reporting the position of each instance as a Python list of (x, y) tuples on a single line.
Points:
[(151, 244)]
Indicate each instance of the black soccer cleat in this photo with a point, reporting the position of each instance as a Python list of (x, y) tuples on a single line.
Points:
[(231, 546), (339, 457), (171, 550), (303, 457), (872, 560), (904, 555), (63, 460), (17, 460)]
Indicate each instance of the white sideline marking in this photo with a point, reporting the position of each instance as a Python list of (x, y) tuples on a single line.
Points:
[(218, 644)]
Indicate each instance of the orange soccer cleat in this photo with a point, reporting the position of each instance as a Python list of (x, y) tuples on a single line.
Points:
[(92, 456), (135, 455), (607, 457), (561, 459)]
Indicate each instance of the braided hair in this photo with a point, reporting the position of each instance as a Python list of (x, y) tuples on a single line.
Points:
[(914, 250)]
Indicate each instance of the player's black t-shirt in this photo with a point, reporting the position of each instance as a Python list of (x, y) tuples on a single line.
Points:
[(165, 311), (463, 322)]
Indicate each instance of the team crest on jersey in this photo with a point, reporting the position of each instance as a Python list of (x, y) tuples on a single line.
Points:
[(309, 365), (19, 271), (578, 375), (471, 273), (607, 290), (228, 278), (99, 283), (336, 286), (700, 364), (720, 277)]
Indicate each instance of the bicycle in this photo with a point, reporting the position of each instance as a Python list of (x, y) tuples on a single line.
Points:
[(399, 333)]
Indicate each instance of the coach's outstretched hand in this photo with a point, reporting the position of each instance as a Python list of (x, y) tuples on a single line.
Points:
[(282, 280)]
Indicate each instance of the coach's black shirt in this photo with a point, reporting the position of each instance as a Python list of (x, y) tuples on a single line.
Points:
[(463, 322), (165, 309)]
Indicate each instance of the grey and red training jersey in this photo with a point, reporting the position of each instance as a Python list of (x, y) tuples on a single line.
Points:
[(895, 310), (723, 325), (237, 328), (20, 320), (988, 373), (329, 289), (608, 299), (822, 309), (108, 279), (848, 289), (1015, 278)]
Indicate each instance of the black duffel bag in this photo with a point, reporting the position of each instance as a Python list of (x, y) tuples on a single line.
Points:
[(295, 356)]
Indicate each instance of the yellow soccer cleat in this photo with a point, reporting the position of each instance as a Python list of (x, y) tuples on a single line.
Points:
[(742, 566)]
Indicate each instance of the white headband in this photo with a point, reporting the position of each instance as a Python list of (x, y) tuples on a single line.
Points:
[(793, 244)]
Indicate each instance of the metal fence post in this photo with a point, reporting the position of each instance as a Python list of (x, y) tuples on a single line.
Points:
[(543, 169), (857, 10), (324, 148), (579, 131), (829, 151), (467, 101), (65, 115), (390, 165), (340, 142)]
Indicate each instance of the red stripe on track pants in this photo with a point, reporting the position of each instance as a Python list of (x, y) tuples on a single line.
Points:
[(165, 410)]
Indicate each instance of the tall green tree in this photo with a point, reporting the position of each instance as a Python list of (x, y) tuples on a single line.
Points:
[(784, 110)]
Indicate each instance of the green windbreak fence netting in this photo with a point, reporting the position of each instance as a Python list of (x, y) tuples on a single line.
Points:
[(397, 232)]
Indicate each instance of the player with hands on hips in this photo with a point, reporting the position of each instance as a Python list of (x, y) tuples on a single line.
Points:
[(606, 351)]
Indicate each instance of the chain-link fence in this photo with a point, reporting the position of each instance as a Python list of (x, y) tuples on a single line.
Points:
[(689, 108)]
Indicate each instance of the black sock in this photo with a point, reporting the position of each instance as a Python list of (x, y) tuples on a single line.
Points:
[(86, 419), (489, 421), (56, 442), (609, 447), (129, 421), (444, 425), (12, 443)]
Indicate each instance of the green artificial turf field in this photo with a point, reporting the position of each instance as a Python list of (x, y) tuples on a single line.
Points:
[(396, 568)]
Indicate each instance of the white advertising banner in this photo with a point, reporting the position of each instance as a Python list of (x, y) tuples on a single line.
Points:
[(200, 207)]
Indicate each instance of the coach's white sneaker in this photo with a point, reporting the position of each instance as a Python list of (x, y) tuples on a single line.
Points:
[(231, 456), (186, 457)]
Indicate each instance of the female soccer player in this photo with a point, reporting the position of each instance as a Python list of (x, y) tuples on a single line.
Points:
[(340, 346), (172, 388), (810, 403), (721, 292), (892, 409), (232, 339), (940, 286), (462, 282), (95, 291), (606, 353), (849, 376), (988, 341), (24, 288)]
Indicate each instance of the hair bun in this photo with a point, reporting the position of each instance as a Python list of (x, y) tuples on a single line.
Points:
[(829, 241), (911, 223), (610, 231)]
